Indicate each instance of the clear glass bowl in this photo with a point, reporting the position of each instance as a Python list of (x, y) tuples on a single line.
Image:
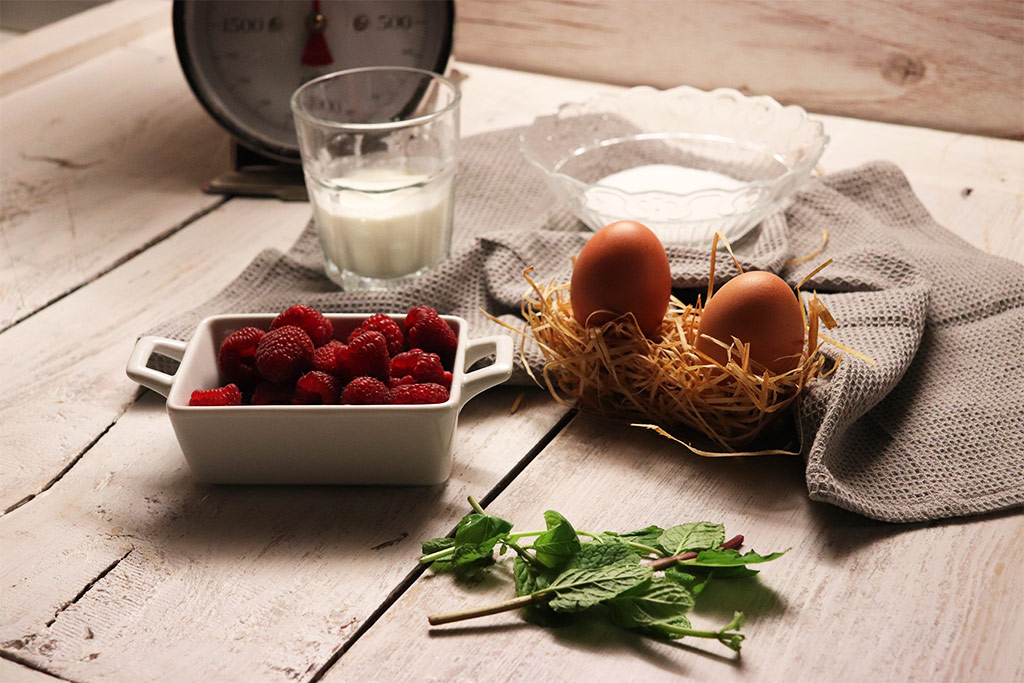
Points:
[(685, 162)]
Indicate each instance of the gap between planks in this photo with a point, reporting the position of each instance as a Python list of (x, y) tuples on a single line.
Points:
[(170, 232), (81, 594), (418, 571), (157, 239), (11, 656), (71, 463), (15, 659)]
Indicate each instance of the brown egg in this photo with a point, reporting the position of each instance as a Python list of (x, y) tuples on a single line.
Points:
[(759, 309), (622, 269)]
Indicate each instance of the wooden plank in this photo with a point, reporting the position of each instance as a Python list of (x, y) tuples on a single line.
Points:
[(853, 600), (8, 36), (62, 368), (970, 184), (922, 62), (50, 49), (29, 15), (129, 569), (97, 162), (12, 672)]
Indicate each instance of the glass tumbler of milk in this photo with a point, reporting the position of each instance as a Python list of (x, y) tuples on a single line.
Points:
[(379, 149)]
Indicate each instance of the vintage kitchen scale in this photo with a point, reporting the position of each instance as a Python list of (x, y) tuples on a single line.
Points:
[(244, 58)]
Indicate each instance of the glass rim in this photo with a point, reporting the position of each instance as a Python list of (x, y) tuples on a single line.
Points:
[(301, 112)]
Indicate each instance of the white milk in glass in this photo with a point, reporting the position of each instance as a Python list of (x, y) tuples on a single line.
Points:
[(384, 222)]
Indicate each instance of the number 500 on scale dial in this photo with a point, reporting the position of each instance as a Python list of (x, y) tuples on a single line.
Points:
[(245, 58)]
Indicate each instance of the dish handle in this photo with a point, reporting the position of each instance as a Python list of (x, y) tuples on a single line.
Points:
[(495, 373), (145, 347)]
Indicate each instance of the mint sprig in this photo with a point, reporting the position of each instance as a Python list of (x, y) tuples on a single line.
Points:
[(645, 580)]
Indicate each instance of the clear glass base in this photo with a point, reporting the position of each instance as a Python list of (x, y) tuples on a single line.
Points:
[(354, 282)]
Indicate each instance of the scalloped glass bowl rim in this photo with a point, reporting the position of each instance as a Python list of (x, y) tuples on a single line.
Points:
[(817, 148)]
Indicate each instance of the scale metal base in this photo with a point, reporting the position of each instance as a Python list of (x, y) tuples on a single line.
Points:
[(255, 175)]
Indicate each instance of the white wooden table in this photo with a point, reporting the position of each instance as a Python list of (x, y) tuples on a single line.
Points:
[(116, 565)]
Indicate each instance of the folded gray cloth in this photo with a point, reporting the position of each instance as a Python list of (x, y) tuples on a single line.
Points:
[(934, 429)]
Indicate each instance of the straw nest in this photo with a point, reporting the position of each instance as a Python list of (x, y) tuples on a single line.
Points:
[(665, 383)]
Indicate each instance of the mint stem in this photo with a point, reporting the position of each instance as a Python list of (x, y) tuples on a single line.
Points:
[(448, 552), (525, 534), (527, 557), (721, 636), (680, 631), (646, 548), (439, 555), (475, 504), (733, 543), (633, 544), (662, 563), (666, 562), (727, 635), (507, 606)]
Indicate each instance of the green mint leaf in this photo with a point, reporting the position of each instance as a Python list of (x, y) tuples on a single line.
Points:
[(525, 577), (476, 537), (647, 536), (528, 578), (596, 555), (730, 558), (555, 547), (739, 572), (691, 536), (692, 582), (477, 528), (659, 600), (577, 589), (436, 544)]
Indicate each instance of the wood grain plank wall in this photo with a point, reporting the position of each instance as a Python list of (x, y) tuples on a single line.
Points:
[(948, 64)]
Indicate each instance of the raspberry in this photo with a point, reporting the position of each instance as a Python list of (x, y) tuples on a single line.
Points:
[(284, 354), (446, 380), (418, 313), (221, 396), (236, 358), (309, 319), (432, 334), (419, 393), (272, 393), (325, 358), (366, 391), (422, 366), (316, 388), (378, 322), (366, 354), (399, 381)]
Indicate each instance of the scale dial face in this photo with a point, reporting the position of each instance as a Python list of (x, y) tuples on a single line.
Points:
[(245, 58)]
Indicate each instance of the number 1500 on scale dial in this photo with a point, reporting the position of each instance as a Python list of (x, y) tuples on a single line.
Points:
[(245, 58)]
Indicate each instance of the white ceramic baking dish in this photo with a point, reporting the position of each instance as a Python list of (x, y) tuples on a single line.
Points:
[(340, 444)]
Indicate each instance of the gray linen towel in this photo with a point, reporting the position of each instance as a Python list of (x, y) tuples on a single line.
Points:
[(935, 429)]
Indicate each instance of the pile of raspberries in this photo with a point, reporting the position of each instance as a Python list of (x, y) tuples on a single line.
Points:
[(299, 362)]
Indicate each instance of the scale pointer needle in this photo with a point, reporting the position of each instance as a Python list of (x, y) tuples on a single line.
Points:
[(316, 52)]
